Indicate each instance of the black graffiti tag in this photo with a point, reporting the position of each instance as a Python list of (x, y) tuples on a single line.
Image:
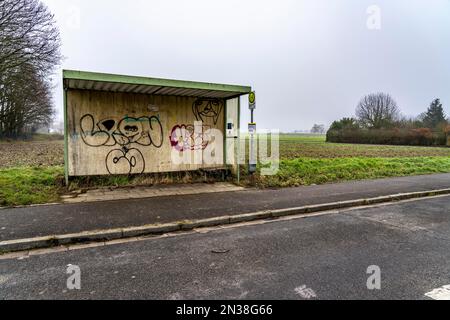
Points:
[(126, 132)]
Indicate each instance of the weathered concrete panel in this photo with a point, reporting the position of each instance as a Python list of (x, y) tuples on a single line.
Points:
[(232, 133), (122, 133)]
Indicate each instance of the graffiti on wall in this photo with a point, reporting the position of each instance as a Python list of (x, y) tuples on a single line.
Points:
[(128, 134), (205, 108), (189, 138)]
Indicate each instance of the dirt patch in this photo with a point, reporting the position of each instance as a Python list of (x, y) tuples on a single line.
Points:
[(31, 153)]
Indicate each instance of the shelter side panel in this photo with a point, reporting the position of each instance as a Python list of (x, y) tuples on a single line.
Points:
[(130, 133)]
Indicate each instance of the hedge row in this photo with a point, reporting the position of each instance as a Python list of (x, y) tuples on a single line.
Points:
[(410, 137)]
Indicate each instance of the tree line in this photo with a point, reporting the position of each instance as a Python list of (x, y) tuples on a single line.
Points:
[(378, 119), (29, 52)]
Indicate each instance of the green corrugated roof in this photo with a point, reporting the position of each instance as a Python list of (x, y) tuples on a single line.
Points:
[(124, 83)]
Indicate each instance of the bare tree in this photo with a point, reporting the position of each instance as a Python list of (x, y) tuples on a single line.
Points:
[(28, 35), (28, 103), (378, 110), (318, 128), (29, 52)]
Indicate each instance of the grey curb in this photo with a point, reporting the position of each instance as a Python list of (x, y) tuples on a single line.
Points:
[(158, 229)]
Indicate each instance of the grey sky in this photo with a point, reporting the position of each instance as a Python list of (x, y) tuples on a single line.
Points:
[(309, 61)]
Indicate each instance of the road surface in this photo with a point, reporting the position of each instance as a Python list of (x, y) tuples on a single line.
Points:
[(318, 257)]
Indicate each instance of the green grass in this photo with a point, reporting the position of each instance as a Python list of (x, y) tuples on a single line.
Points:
[(302, 138), (31, 172), (46, 137), (305, 146), (307, 171), (308, 159), (30, 185), (41, 137)]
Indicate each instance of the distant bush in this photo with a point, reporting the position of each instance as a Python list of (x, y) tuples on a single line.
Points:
[(47, 136), (35, 137), (447, 129), (345, 123), (447, 132), (409, 137)]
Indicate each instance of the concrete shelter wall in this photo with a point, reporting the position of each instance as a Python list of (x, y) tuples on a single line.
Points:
[(129, 133)]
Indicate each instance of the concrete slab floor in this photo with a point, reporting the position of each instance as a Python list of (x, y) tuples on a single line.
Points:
[(106, 194)]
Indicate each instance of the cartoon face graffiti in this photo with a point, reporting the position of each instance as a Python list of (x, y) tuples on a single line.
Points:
[(205, 108)]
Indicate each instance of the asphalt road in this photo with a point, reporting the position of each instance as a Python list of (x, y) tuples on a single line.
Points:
[(329, 254)]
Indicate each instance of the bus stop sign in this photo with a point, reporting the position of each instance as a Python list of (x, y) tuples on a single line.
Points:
[(252, 100)]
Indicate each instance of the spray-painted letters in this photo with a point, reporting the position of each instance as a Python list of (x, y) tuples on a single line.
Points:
[(129, 133)]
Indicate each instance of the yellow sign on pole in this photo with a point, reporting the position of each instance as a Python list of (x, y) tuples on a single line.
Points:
[(252, 97), (252, 100)]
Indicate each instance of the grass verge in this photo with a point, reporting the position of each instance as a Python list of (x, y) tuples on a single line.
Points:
[(30, 185), (307, 171), (34, 185)]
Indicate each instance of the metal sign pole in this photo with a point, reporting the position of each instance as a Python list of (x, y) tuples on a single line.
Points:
[(252, 133)]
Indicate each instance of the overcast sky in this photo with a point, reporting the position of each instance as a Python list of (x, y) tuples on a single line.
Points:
[(309, 61)]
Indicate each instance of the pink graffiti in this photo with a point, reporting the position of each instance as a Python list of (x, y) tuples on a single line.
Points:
[(185, 138)]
